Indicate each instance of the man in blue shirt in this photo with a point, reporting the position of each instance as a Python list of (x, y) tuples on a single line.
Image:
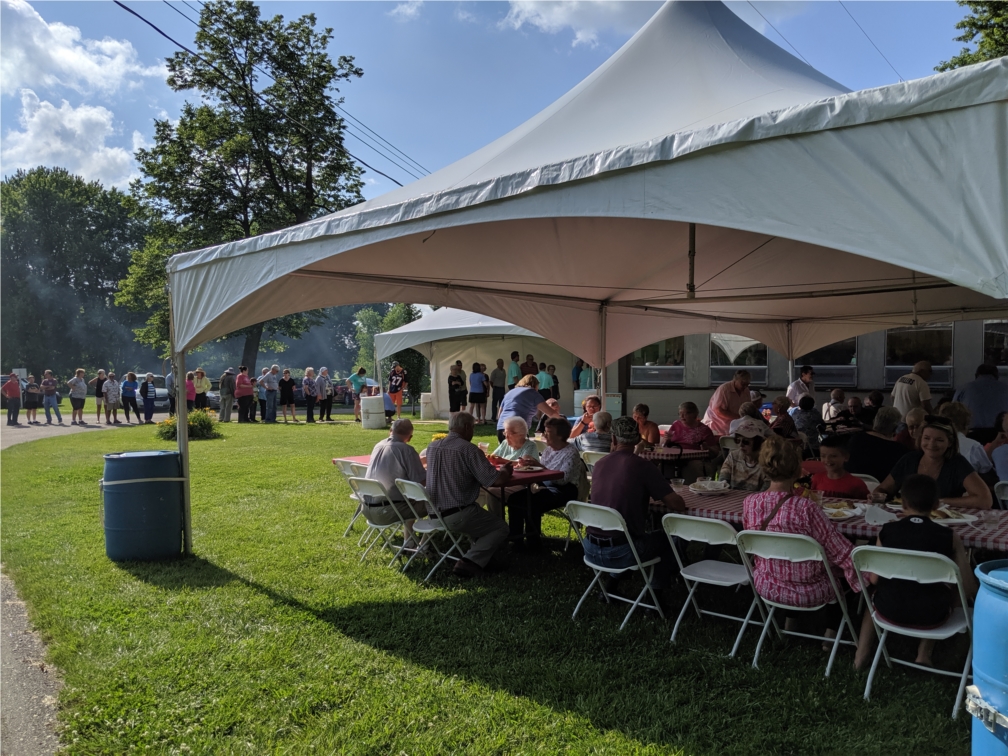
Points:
[(514, 372), (986, 397), (576, 374)]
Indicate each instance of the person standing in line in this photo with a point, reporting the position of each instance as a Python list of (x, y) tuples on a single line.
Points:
[(78, 393), (530, 366), (272, 381), (324, 389), (49, 398), (243, 394), (498, 384), (12, 390), (357, 383), (456, 392), (260, 385), (128, 390), (545, 382), (458, 364), (286, 385), (310, 392), (202, 384), (396, 386), (576, 374), (190, 391), (169, 383), (227, 393), (98, 382), (476, 395), (148, 392), (514, 371), (113, 395), (486, 391), (551, 369), (32, 399)]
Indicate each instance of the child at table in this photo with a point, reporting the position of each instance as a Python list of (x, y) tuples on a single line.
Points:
[(836, 481), (905, 602)]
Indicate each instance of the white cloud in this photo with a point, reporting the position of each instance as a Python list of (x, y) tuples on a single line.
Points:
[(73, 138), (39, 55), (461, 14), (406, 11), (585, 18)]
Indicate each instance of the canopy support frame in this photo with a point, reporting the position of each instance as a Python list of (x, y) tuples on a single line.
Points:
[(691, 285), (603, 314), (181, 427)]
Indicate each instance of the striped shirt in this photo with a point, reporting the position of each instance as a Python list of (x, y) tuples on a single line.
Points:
[(456, 470)]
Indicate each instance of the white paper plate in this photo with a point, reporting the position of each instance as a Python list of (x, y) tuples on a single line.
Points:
[(710, 488), (530, 468), (837, 514), (962, 519)]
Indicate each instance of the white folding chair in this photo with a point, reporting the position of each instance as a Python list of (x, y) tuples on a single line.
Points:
[(709, 571), (367, 489), (920, 567), (429, 526), (350, 469), (604, 518), (727, 443), (870, 480), (793, 547), (540, 445), (663, 429), (1001, 493), (591, 457)]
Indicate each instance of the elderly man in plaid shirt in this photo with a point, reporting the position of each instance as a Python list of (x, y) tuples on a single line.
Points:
[(456, 471)]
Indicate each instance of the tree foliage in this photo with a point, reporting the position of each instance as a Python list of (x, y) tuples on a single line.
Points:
[(370, 322), (987, 26), (65, 243), (262, 150)]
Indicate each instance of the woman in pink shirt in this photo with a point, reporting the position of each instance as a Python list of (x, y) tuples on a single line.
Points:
[(688, 432), (243, 393), (190, 391), (780, 510)]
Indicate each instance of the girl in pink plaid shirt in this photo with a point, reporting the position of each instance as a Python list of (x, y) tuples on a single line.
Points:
[(802, 584)]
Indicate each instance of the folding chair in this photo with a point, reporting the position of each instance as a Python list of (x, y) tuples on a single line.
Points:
[(591, 457), (793, 547), (353, 469), (365, 488), (870, 480), (727, 443), (709, 571), (921, 567), (427, 527), (604, 518), (1001, 494), (540, 444)]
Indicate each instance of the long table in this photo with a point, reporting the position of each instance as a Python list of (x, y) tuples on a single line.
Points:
[(675, 455), (991, 535)]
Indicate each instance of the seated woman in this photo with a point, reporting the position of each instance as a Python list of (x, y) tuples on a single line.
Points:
[(906, 602), (741, 468), (516, 447), (649, 432), (749, 409), (553, 494), (909, 432), (780, 510), (688, 432), (939, 458), (783, 424)]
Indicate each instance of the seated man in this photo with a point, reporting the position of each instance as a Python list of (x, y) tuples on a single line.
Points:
[(456, 470), (394, 458), (598, 440), (625, 482)]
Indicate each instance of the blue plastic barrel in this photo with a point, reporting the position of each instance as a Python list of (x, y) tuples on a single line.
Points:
[(990, 654), (143, 506)]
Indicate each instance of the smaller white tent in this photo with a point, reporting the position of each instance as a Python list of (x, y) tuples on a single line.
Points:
[(447, 335)]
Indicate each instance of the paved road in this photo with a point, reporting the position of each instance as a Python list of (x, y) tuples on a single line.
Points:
[(18, 434), (30, 686)]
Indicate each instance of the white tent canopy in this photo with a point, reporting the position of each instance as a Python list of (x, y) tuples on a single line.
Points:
[(444, 323), (819, 213), (447, 335)]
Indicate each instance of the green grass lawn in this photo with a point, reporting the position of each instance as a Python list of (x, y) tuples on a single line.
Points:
[(273, 638)]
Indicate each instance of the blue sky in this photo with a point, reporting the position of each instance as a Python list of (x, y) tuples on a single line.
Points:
[(83, 81)]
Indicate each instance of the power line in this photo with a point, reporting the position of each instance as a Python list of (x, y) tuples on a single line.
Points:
[(398, 153), (870, 40), (779, 34), (251, 91)]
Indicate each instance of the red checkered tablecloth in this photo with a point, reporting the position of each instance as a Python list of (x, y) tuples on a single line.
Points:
[(663, 454), (989, 533)]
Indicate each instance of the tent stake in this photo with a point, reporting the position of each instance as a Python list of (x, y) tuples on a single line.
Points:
[(691, 286)]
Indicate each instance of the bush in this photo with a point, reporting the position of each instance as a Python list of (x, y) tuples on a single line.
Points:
[(202, 425)]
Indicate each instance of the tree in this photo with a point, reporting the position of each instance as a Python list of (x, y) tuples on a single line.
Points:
[(263, 150), (65, 244), (371, 322), (988, 20)]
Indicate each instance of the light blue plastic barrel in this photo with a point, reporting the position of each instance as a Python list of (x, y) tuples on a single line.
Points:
[(143, 506), (990, 654)]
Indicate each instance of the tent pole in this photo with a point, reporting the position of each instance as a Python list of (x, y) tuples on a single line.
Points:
[(790, 354), (603, 312), (690, 285), (181, 425)]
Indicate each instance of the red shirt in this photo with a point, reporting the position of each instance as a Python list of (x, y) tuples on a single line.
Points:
[(847, 486), (243, 386), (12, 389), (527, 369)]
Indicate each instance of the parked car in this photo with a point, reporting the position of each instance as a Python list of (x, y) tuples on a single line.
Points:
[(160, 391)]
